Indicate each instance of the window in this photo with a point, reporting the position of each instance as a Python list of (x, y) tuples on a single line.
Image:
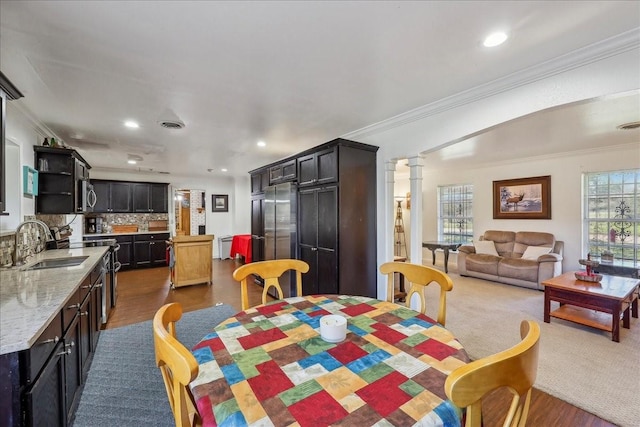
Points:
[(455, 214), (612, 214)]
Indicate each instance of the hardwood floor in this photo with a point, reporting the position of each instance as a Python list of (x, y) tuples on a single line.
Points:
[(141, 292)]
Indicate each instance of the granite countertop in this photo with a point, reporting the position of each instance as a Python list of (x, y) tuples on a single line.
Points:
[(123, 234), (30, 300)]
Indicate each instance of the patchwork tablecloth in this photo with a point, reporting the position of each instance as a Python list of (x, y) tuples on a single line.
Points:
[(269, 366)]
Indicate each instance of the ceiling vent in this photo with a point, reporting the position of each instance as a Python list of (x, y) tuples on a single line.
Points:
[(629, 126), (170, 120)]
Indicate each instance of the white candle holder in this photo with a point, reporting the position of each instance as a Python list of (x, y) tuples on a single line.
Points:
[(333, 328)]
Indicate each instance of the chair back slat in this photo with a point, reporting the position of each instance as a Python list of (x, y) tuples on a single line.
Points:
[(270, 271), (419, 277)]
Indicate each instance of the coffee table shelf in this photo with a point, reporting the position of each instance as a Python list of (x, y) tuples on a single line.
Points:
[(594, 319)]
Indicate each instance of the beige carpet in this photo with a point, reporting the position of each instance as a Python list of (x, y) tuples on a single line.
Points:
[(577, 364)]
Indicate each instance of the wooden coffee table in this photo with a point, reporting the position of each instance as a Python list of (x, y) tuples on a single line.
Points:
[(598, 305)]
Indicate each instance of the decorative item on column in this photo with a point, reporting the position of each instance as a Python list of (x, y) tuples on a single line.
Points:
[(400, 247)]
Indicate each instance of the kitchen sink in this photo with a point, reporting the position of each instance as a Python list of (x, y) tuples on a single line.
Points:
[(58, 262)]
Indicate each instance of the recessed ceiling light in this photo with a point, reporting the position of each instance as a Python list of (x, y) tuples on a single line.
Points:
[(133, 159), (262, 144), (223, 169), (131, 124), (495, 39)]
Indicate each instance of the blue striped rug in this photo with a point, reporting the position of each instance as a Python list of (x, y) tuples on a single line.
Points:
[(124, 387)]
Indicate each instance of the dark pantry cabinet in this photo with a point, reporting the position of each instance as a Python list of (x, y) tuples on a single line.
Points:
[(336, 215)]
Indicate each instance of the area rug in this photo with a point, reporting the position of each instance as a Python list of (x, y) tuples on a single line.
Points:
[(124, 387), (578, 364)]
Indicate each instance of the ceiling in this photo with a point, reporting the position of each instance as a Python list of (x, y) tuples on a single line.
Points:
[(292, 74)]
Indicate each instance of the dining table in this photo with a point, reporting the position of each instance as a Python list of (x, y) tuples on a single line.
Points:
[(269, 365)]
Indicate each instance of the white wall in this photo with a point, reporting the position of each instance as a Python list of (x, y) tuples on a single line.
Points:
[(21, 135), (566, 194)]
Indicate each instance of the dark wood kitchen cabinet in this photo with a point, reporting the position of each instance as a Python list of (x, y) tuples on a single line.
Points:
[(282, 172), (150, 250), (319, 238), (259, 181), (336, 217), (61, 174), (8, 92), (150, 197), (112, 196), (125, 253), (41, 386)]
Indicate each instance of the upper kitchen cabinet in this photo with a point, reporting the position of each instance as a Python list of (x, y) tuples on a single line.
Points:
[(150, 197), (7, 92), (318, 168), (63, 181), (282, 172), (259, 181), (112, 196)]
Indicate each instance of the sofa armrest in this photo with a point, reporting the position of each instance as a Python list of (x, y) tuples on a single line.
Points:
[(550, 257), (468, 249)]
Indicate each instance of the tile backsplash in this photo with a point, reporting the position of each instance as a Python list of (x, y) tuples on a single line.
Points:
[(141, 220)]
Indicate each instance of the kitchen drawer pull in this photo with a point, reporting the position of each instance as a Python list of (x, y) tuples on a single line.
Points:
[(70, 345), (99, 286), (65, 352), (51, 340), (86, 287), (84, 313), (72, 306)]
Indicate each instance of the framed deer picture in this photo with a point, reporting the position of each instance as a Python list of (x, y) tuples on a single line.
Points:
[(522, 198)]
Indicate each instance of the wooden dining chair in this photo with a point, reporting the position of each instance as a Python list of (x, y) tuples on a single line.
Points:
[(178, 366), (270, 271), (515, 368), (419, 277)]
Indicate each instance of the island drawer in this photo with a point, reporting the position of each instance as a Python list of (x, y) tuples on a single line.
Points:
[(38, 354)]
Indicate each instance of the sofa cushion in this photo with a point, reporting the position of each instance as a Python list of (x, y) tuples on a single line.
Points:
[(486, 247), (534, 252), (482, 263), (503, 240), (524, 239), (516, 268)]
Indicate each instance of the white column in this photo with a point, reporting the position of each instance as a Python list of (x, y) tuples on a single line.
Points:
[(415, 181), (389, 203)]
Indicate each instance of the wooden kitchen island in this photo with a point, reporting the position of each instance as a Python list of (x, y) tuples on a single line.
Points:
[(193, 258)]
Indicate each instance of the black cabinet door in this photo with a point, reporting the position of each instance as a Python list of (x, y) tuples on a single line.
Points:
[(318, 168), (102, 190), (317, 210), (327, 240), (95, 313), (158, 253), (142, 253), (85, 334), (72, 365), (120, 197), (259, 181), (159, 198), (141, 197), (44, 401), (125, 254)]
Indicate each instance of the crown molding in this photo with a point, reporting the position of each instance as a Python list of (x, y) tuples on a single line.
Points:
[(39, 127), (595, 52)]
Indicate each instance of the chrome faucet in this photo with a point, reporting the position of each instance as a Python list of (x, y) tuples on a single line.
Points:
[(19, 260)]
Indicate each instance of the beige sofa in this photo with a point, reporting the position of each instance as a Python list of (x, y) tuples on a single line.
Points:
[(508, 265)]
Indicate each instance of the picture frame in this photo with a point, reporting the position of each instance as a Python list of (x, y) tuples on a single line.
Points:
[(219, 203), (522, 198)]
